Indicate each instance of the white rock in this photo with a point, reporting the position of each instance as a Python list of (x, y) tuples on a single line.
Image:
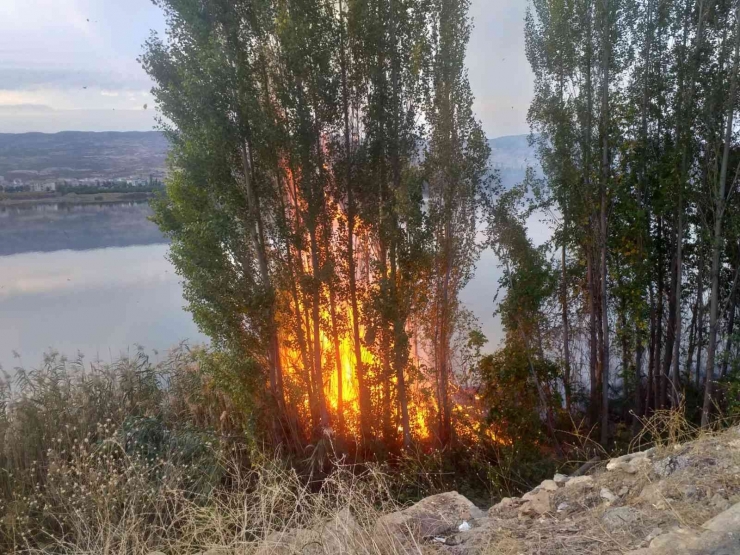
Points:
[(667, 466), (607, 495), (654, 533), (726, 521), (549, 485), (562, 507), (561, 478), (620, 517), (432, 516), (580, 481), (630, 463), (536, 502), (677, 539), (464, 527)]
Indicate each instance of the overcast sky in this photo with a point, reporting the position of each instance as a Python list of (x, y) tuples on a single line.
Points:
[(71, 65)]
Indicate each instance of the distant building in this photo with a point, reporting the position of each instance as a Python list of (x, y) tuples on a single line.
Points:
[(46, 187)]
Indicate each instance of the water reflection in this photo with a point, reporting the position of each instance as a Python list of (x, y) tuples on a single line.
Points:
[(98, 296), (112, 287), (99, 302), (52, 227)]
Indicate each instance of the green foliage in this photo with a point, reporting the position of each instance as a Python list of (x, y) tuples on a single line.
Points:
[(511, 395)]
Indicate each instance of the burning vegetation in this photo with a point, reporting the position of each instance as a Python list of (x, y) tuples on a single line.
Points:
[(327, 178)]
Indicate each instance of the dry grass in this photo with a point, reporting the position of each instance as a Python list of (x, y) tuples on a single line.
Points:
[(102, 500), (112, 459)]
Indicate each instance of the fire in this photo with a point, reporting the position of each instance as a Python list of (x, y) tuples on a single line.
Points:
[(349, 384), (303, 368)]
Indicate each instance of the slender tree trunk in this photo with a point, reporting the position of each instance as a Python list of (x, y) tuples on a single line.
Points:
[(593, 359), (400, 343), (566, 342), (590, 254), (683, 135), (717, 238), (337, 359), (670, 333), (700, 321), (256, 232), (400, 360), (692, 340), (641, 408), (699, 345), (444, 344), (675, 378), (659, 318), (385, 348), (363, 393), (728, 341), (639, 354), (605, 55), (652, 352), (316, 317)]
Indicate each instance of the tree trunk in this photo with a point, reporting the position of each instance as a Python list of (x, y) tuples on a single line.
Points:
[(593, 359), (675, 378), (400, 360), (728, 341), (605, 56), (316, 317), (443, 359), (659, 318), (337, 359), (692, 339), (639, 354), (256, 233), (363, 392), (590, 254), (651, 354), (670, 333), (717, 239), (700, 321), (566, 342)]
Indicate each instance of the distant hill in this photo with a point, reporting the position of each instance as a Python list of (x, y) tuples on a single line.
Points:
[(513, 152), (78, 155), (511, 156), (109, 155)]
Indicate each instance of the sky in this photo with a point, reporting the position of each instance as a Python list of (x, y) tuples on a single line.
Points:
[(71, 65)]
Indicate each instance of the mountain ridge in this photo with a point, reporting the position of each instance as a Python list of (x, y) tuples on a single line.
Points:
[(36, 156)]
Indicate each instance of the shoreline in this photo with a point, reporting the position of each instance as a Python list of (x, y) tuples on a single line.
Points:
[(73, 198)]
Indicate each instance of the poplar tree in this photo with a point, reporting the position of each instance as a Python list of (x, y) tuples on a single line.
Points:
[(456, 164)]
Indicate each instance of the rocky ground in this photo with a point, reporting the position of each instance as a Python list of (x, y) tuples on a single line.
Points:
[(683, 499), (677, 500)]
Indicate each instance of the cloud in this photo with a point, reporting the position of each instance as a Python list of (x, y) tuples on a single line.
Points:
[(25, 109), (51, 49), (54, 121), (31, 79)]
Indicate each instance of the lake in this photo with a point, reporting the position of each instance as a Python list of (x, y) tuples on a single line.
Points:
[(95, 279), (92, 279)]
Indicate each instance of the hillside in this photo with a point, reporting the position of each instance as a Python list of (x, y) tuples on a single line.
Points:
[(512, 152), (109, 155), (78, 155), (676, 499)]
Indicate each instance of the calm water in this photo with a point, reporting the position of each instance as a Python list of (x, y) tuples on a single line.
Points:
[(95, 279), (92, 279)]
